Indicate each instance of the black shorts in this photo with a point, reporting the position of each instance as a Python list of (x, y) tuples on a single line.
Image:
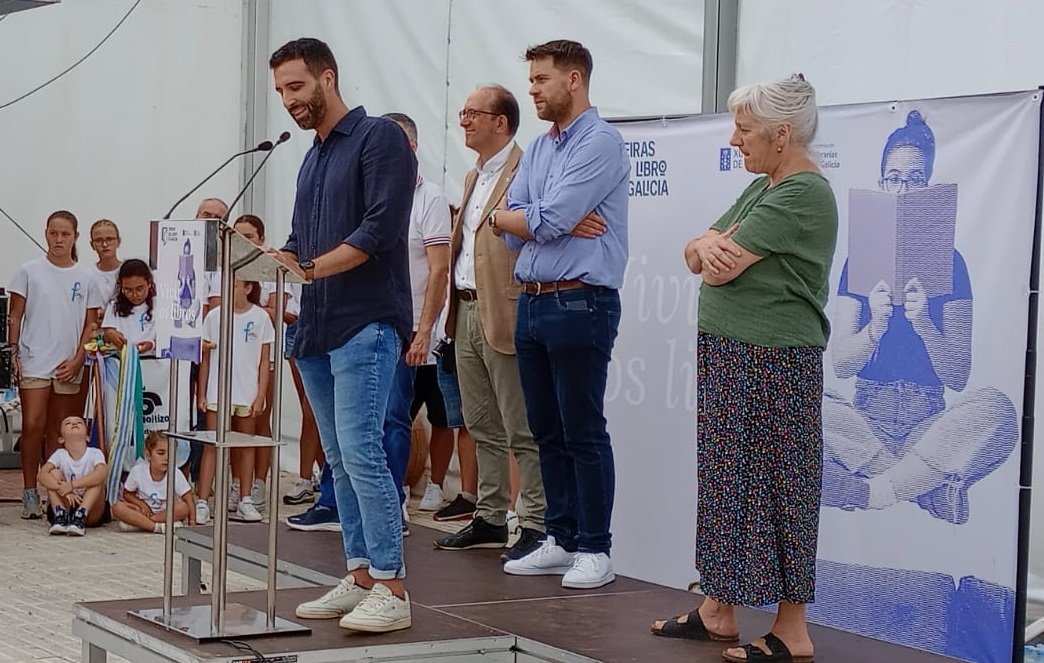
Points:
[(426, 392)]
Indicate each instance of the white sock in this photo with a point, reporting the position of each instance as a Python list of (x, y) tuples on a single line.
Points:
[(882, 493), (469, 497)]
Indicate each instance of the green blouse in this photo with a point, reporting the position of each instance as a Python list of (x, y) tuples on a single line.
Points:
[(778, 301)]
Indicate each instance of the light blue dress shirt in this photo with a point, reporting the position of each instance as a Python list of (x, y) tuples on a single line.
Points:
[(563, 177)]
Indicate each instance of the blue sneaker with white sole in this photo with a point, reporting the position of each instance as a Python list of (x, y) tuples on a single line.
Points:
[(318, 518)]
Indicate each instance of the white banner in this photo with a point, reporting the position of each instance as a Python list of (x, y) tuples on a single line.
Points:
[(155, 410), (941, 192)]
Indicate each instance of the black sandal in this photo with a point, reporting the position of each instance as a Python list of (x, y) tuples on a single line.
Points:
[(778, 653), (691, 629)]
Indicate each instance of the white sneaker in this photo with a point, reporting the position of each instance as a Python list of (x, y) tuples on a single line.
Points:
[(233, 495), (339, 601), (432, 500), (246, 512), (405, 513), (590, 570), (257, 494), (202, 512), (550, 559), (380, 612)]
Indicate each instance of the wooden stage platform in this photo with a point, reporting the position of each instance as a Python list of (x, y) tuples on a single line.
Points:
[(465, 608)]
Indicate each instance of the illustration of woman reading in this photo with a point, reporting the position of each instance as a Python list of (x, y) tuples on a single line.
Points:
[(905, 340)]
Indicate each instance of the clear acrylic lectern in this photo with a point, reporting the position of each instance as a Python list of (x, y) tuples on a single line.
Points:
[(241, 259)]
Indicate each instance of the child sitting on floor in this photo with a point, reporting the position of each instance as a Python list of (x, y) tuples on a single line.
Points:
[(144, 502), (74, 477)]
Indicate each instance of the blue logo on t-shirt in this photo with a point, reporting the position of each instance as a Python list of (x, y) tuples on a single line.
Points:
[(142, 320), (76, 294), (248, 332)]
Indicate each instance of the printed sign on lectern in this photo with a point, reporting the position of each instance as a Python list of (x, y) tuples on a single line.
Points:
[(181, 254)]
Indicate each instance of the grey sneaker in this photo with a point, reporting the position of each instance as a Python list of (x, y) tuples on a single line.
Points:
[(233, 495), (257, 494), (339, 601), (30, 504), (380, 612)]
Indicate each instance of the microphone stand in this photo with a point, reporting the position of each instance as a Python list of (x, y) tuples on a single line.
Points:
[(285, 136), (266, 146)]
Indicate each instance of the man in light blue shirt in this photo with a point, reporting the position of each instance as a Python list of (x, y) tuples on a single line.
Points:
[(567, 216)]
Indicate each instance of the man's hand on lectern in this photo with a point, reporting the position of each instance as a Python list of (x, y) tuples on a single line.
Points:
[(285, 257)]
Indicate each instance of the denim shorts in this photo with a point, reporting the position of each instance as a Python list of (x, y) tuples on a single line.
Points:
[(450, 396)]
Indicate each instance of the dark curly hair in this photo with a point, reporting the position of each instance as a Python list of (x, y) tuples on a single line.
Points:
[(129, 269)]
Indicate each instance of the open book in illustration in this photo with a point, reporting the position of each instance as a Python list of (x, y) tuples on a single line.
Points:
[(894, 237)]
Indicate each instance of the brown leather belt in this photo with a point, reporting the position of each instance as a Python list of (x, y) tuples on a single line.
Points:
[(553, 286), (467, 295)]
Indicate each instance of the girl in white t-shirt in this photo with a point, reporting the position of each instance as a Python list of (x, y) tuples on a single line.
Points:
[(252, 227), (74, 477), (143, 504), (252, 336), (128, 317), (53, 310), (105, 240)]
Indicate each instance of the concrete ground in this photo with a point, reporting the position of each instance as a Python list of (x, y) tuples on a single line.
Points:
[(42, 577)]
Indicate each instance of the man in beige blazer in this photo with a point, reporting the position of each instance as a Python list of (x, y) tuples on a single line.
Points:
[(482, 311)]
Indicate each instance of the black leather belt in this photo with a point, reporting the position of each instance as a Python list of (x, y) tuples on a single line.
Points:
[(467, 295)]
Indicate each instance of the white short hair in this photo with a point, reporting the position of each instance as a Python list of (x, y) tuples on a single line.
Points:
[(791, 100)]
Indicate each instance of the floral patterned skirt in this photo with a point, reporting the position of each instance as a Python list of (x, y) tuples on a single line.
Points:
[(759, 467)]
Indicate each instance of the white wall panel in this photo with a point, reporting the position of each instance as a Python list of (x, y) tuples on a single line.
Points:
[(424, 58), (391, 57), (893, 49), (128, 131)]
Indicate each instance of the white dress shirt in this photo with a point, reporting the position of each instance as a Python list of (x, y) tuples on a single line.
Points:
[(488, 174)]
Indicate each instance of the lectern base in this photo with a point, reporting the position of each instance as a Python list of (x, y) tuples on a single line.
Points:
[(240, 622)]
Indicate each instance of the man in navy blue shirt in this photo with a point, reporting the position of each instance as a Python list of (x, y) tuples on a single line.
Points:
[(348, 236)]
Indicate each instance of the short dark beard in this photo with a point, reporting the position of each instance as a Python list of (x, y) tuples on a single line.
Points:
[(316, 107)]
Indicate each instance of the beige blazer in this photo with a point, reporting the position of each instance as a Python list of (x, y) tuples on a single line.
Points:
[(494, 266)]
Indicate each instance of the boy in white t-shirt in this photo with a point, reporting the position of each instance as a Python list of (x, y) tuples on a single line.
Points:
[(143, 504), (252, 336), (74, 477)]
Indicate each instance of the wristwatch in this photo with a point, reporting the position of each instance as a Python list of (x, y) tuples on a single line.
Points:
[(492, 219), (308, 267)]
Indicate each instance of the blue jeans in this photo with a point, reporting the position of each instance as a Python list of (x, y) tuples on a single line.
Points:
[(450, 389), (348, 388), (326, 489), (398, 424), (564, 342), (398, 437)]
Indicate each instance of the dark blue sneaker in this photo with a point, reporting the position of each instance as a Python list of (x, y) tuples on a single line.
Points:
[(77, 523), (318, 518)]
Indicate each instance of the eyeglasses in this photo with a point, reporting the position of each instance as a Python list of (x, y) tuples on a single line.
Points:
[(139, 291), (104, 241), (470, 114), (894, 183)]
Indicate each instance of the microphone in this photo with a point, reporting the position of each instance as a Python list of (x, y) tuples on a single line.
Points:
[(266, 146), (283, 137)]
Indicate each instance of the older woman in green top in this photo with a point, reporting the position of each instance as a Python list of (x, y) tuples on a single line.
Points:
[(762, 330)]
